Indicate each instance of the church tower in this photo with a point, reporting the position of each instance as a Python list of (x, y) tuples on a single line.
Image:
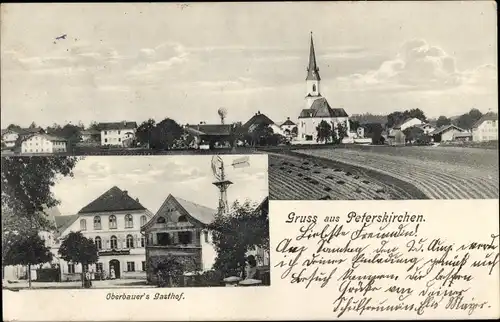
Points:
[(313, 79)]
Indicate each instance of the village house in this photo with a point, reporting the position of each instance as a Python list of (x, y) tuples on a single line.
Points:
[(179, 229), (117, 133), (446, 133), (261, 119), (113, 222), (90, 135), (287, 128), (317, 108), (486, 128), (426, 127), (11, 136), (409, 122), (209, 134), (43, 143)]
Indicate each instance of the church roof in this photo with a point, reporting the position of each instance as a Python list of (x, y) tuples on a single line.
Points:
[(312, 69), (321, 108), (114, 199)]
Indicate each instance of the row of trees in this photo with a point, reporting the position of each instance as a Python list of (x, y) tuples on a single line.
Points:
[(26, 195), (465, 121), (159, 136)]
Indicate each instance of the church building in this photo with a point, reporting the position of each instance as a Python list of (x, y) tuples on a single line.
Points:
[(317, 108)]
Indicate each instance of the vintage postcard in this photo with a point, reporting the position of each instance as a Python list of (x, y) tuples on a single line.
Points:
[(262, 161)]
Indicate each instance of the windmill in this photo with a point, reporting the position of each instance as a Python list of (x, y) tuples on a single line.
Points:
[(221, 183), (222, 114)]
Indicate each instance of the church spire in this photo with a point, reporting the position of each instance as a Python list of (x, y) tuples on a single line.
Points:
[(312, 70)]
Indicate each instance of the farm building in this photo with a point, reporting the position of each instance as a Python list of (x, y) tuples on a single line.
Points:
[(210, 133), (462, 136), (486, 128), (426, 127), (446, 133), (261, 119), (317, 108), (11, 135), (396, 137), (407, 123)]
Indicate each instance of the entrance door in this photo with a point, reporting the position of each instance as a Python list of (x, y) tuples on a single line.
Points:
[(115, 264)]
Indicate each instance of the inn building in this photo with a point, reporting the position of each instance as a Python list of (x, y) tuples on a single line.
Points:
[(113, 222)]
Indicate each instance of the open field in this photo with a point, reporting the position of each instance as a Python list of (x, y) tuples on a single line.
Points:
[(432, 172), (300, 177)]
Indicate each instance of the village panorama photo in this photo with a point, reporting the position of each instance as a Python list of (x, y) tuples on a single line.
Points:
[(137, 222)]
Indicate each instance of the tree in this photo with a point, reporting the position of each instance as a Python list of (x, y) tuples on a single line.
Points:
[(234, 234), (397, 117), (27, 250), (77, 249), (466, 121), (144, 131), (33, 125), (339, 133), (413, 133), (394, 118), (165, 134), (324, 130), (354, 124), (442, 120), (261, 134), (27, 182)]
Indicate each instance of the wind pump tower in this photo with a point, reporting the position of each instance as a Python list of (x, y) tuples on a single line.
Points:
[(221, 183)]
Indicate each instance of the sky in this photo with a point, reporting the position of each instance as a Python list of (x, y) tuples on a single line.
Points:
[(153, 178), (185, 61)]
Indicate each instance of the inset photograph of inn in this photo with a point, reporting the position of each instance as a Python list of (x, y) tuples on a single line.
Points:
[(141, 221)]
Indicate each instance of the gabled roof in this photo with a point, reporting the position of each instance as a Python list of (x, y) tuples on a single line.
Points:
[(445, 128), (47, 137), (114, 199), (258, 119), (321, 108), (90, 132), (117, 125), (287, 122), (210, 129), (486, 117), (63, 222), (399, 124), (199, 213)]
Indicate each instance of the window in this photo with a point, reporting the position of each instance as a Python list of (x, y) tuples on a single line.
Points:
[(144, 220), (143, 241), (163, 239), (71, 268), (114, 242), (119, 132), (129, 221), (314, 87), (112, 222), (98, 243), (143, 266), (160, 220), (83, 224), (97, 223), (119, 139), (182, 218), (185, 237), (105, 132), (99, 267), (106, 140), (130, 267), (130, 241), (205, 234)]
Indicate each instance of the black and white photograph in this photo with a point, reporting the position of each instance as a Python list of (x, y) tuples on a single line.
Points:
[(141, 221)]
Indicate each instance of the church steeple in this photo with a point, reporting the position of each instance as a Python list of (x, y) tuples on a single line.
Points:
[(312, 70)]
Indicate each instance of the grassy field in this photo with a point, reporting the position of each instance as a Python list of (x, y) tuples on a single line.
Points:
[(401, 173)]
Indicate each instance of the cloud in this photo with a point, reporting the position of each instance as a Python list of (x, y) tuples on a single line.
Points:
[(159, 59), (417, 67)]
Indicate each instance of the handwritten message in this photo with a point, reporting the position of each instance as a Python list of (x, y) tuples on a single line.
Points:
[(386, 262)]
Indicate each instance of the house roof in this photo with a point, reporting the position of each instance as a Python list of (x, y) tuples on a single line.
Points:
[(117, 125), (90, 132), (445, 128), (399, 124), (114, 199), (201, 213), (486, 117), (48, 137), (288, 122), (63, 222), (258, 119), (209, 129), (321, 108)]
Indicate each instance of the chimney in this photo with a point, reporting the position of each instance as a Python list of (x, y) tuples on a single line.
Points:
[(258, 112), (137, 199), (288, 118), (125, 192)]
